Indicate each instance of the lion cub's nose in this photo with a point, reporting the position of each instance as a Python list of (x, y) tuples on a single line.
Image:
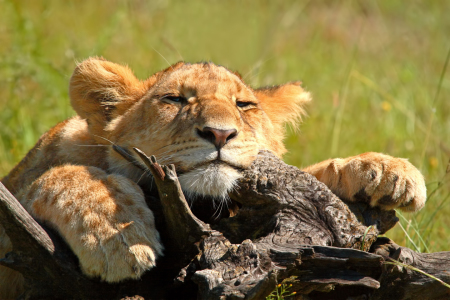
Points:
[(218, 137)]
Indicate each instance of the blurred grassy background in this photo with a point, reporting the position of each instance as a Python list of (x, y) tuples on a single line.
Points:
[(374, 69)]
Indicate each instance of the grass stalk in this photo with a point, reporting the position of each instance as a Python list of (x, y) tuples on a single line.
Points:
[(433, 109), (397, 263)]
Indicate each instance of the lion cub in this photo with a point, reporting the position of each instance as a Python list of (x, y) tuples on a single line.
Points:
[(200, 117)]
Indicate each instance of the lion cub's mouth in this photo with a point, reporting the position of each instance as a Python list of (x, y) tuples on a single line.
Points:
[(218, 161), (206, 186), (215, 179)]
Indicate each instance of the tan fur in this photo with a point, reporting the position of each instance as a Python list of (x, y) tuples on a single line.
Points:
[(379, 179), (73, 181)]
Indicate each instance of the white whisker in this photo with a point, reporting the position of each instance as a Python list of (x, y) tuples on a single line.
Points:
[(143, 174), (103, 138), (92, 145), (162, 57)]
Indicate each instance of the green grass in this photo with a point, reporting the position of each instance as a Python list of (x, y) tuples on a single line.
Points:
[(374, 69)]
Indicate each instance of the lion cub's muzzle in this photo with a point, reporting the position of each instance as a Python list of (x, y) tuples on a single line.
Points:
[(218, 137)]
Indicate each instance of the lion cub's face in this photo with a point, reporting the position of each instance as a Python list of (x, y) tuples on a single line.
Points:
[(200, 117)]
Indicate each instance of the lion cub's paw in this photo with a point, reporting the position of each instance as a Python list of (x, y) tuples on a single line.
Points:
[(124, 242), (378, 179), (103, 218), (121, 252)]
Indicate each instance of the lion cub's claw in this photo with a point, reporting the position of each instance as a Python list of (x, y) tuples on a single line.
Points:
[(380, 180)]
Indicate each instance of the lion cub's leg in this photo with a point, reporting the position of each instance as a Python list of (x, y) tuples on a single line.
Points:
[(104, 219), (376, 178)]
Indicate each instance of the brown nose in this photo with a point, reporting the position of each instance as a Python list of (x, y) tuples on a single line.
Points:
[(218, 137)]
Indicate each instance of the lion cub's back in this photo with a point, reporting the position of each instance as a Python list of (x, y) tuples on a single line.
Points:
[(69, 142)]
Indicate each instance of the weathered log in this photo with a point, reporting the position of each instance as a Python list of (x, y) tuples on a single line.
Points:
[(288, 227), (403, 282), (291, 219)]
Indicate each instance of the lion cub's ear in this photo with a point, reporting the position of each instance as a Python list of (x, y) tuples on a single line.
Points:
[(101, 90), (283, 103)]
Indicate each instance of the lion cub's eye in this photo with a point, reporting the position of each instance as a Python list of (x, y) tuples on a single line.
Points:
[(245, 105), (177, 99)]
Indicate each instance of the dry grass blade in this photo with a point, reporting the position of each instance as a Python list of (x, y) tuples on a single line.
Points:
[(397, 263)]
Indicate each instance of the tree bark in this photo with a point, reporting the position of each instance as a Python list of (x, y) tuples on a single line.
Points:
[(288, 227)]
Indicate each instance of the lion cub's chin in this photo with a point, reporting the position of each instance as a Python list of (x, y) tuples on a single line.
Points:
[(213, 180)]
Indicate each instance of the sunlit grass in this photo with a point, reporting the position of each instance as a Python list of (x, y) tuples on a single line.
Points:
[(374, 69)]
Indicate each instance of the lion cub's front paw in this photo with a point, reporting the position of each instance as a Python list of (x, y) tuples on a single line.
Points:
[(118, 250), (103, 218), (378, 179), (120, 241)]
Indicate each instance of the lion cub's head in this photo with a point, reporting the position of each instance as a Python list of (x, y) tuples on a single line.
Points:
[(201, 117)]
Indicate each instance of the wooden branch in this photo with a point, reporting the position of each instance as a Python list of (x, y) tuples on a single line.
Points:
[(288, 227), (29, 235), (285, 227), (185, 229), (403, 282), (281, 201), (251, 270)]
